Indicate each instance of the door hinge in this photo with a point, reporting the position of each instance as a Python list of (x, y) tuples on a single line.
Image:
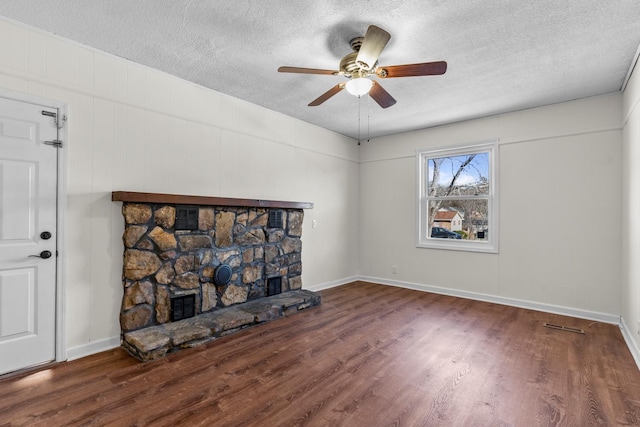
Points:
[(59, 121), (55, 143)]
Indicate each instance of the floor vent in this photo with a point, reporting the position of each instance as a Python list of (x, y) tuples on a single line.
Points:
[(563, 328)]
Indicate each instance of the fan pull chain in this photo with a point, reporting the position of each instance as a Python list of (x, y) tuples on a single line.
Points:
[(368, 118), (359, 107)]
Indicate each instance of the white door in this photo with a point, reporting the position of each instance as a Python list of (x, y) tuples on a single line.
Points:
[(28, 192)]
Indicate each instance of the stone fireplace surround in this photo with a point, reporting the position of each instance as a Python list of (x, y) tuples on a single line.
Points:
[(161, 262)]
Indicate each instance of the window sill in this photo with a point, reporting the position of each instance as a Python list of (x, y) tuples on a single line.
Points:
[(462, 246)]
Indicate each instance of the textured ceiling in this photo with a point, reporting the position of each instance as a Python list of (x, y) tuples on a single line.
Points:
[(503, 55)]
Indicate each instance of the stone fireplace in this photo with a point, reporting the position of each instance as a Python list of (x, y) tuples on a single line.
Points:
[(191, 262)]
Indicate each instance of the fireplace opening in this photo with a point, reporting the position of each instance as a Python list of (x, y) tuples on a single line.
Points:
[(183, 307), (274, 286)]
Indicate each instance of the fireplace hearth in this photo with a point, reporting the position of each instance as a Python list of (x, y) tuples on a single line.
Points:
[(188, 256)]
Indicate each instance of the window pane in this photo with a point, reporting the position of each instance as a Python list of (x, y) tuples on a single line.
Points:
[(468, 219), (460, 175)]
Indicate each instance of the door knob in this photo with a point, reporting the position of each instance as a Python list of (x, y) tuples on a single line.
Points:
[(43, 255)]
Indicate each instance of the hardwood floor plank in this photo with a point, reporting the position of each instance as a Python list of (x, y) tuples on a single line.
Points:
[(370, 355)]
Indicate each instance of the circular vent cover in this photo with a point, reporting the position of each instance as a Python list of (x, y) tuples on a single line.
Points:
[(222, 275)]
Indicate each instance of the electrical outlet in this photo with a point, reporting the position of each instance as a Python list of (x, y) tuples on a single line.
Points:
[(314, 223), (394, 269)]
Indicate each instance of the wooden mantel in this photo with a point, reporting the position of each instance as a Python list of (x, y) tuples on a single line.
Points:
[(179, 199)]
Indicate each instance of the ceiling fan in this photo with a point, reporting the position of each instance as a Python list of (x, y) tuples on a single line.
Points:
[(362, 63)]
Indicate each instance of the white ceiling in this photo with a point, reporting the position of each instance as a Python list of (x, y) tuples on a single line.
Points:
[(503, 55)]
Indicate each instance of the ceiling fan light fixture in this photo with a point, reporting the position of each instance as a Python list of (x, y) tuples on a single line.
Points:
[(359, 86)]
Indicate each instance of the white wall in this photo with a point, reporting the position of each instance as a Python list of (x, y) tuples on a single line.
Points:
[(135, 129), (560, 210), (565, 174), (631, 211)]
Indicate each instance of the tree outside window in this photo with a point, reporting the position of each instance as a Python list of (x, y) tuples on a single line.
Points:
[(458, 198)]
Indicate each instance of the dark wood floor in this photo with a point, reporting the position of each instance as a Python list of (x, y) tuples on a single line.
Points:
[(371, 355)]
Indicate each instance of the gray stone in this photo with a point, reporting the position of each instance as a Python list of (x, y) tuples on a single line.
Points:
[(206, 275), (136, 318), (164, 240), (187, 281), (291, 244), (188, 242), (295, 282), (205, 257), (185, 264), (253, 214), (247, 256), (197, 343), (138, 293), (262, 311), (294, 258), (145, 244), (275, 235), (155, 342), (242, 218), (294, 223), (139, 264), (148, 339), (166, 274), (270, 253), (258, 218), (135, 213), (272, 270), (168, 255), (258, 252), (205, 219), (163, 304), (156, 354), (295, 269), (165, 216), (186, 330), (234, 295), (132, 234), (160, 262), (234, 262), (224, 229), (229, 319), (253, 236), (223, 256), (251, 273), (209, 296)]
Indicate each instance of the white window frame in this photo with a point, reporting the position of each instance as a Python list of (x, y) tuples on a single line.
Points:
[(425, 241)]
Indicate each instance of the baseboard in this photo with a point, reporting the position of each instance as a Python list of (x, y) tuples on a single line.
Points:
[(547, 308), (328, 285), (627, 334), (113, 342), (93, 348)]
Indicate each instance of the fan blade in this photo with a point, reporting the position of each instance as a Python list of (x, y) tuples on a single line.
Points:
[(381, 96), (328, 94), (306, 70), (374, 41), (411, 70)]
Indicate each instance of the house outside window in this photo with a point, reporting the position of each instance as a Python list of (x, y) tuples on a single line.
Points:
[(458, 198)]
